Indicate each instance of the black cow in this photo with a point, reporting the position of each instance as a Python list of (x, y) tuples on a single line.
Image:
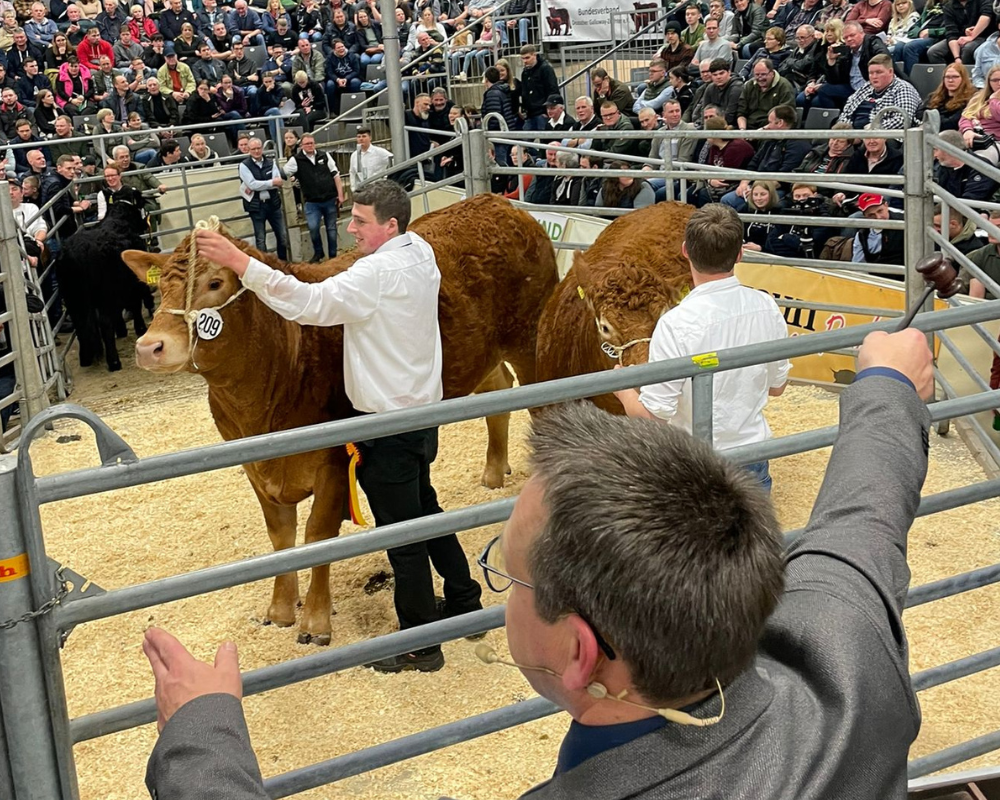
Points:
[(97, 286)]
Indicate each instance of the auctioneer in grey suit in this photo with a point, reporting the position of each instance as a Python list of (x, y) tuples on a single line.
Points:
[(826, 712)]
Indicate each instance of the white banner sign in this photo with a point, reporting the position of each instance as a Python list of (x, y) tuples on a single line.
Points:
[(554, 224), (590, 20)]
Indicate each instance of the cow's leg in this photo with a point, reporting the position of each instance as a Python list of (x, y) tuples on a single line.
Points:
[(281, 521), (329, 487), (107, 329), (497, 427), (135, 306)]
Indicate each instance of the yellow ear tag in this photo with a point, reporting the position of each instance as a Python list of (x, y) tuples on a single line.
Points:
[(684, 293), (153, 275), (579, 291)]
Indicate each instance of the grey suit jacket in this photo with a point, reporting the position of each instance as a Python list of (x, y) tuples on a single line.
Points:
[(827, 711), (685, 147)]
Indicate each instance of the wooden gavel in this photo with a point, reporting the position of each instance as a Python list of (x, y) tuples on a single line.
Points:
[(941, 276)]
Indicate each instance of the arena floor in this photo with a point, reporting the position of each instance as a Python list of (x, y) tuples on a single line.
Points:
[(149, 532)]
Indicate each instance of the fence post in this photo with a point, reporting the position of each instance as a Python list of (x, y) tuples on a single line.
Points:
[(917, 204), (25, 706), (6, 781), (29, 375), (394, 80), (701, 406), (478, 158)]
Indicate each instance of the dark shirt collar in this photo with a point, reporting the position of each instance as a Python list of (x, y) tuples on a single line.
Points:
[(586, 741)]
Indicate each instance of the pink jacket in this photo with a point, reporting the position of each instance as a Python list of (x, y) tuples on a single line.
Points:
[(64, 84), (990, 124)]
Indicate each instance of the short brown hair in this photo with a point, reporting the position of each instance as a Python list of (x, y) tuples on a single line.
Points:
[(882, 61), (713, 237)]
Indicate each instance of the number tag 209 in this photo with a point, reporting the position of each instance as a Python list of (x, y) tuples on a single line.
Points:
[(209, 323)]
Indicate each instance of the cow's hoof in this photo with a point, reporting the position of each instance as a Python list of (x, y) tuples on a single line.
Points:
[(321, 639), (278, 623), (494, 478), (114, 366)]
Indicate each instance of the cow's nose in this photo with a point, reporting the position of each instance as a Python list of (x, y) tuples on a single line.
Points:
[(148, 350)]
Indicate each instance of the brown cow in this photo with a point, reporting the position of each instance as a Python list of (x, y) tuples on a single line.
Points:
[(623, 282), (266, 374)]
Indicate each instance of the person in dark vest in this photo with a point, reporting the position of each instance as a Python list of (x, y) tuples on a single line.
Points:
[(260, 184), (322, 192)]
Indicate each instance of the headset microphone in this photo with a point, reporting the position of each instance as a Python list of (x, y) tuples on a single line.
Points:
[(488, 655)]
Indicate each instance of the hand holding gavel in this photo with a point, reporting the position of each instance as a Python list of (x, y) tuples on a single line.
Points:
[(941, 276)]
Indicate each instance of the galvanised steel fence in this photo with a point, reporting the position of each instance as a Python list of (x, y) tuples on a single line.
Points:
[(37, 612)]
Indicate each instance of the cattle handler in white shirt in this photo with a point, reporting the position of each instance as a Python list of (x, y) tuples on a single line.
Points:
[(387, 302), (718, 313)]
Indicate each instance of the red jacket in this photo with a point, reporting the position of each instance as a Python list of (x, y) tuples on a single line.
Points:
[(144, 33), (91, 57)]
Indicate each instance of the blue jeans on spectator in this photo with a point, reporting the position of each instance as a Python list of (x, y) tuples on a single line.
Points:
[(251, 94), (333, 91), (479, 56), (255, 41), (273, 126), (373, 59), (829, 95), (233, 131), (372, 87), (7, 384), (911, 52), (270, 213), (535, 123), (325, 212), (143, 156), (762, 473)]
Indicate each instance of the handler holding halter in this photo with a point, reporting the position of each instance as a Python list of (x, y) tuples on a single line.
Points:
[(387, 302)]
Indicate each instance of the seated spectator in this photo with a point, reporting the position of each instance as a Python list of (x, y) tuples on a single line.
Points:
[(231, 98), (586, 120), (142, 28), (287, 38), (766, 91), (696, 109), (46, 113), (805, 239), (40, 30), (801, 65), (681, 150), (517, 186), (988, 260), (929, 31), (140, 139), (11, 110), (92, 48), (126, 49), (113, 190), (269, 98), (683, 91), (56, 54), (725, 153), (613, 120), (607, 89), (558, 121), (774, 155), (832, 157), (207, 67), (746, 33), (137, 75), (244, 73), (883, 90), (774, 50), (674, 52), (313, 18), (566, 189), (111, 20), (713, 46), (75, 88), (8, 29), (980, 122), (174, 76), (480, 49), (425, 71), (104, 79), (158, 109), (291, 143), (843, 70), (310, 60), (461, 43), (987, 56), (221, 42), (310, 101), (763, 202), (872, 157), (25, 135), (875, 246), (717, 11), (6, 80), (624, 192), (695, 30), (724, 91), (540, 190), (244, 23), (122, 101), (426, 24), (961, 231), (873, 15), (795, 14), (63, 131), (274, 13), (199, 154), (154, 55), (650, 121), (904, 24), (168, 159), (966, 23), (30, 83), (343, 73), (187, 44), (834, 10), (955, 176), (655, 90), (37, 164), (950, 98)]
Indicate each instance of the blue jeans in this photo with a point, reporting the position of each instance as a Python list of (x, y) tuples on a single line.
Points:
[(327, 213), (251, 94), (143, 156), (255, 41), (270, 212), (762, 473), (371, 87), (829, 95), (7, 384), (535, 123), (273, 126), (479, 56), (911, 52)]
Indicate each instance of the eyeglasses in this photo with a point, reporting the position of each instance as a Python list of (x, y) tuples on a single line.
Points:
[(499, 581), (609, 116)]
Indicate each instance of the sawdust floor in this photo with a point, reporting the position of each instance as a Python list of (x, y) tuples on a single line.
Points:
[(148, 532)]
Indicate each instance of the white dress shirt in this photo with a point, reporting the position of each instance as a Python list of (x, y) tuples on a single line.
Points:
[(388, 305), (365, 164), (716, 316), (23, 213)]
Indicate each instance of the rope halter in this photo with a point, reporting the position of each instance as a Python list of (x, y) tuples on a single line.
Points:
[(617, 350), (189, 313)]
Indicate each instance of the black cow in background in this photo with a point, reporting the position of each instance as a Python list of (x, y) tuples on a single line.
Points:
[(97, 286)]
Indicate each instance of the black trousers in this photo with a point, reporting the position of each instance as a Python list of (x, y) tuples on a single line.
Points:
[(395, 474)]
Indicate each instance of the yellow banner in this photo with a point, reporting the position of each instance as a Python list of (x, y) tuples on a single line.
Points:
[(13, 568), (820, 286)]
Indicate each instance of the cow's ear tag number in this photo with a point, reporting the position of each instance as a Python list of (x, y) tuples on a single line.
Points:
[(209, 323)]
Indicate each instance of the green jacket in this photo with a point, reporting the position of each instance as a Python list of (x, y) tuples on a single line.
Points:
[(755, 104)]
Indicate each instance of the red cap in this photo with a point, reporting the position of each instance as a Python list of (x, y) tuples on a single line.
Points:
[(868, 200)]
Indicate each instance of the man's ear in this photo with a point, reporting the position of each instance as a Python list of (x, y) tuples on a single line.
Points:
[(141, 262), (582, 661)]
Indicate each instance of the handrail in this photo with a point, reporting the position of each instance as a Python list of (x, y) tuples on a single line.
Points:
[(616, 48)]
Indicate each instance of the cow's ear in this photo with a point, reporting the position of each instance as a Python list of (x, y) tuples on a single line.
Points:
[(580, 272), (141, 262)]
